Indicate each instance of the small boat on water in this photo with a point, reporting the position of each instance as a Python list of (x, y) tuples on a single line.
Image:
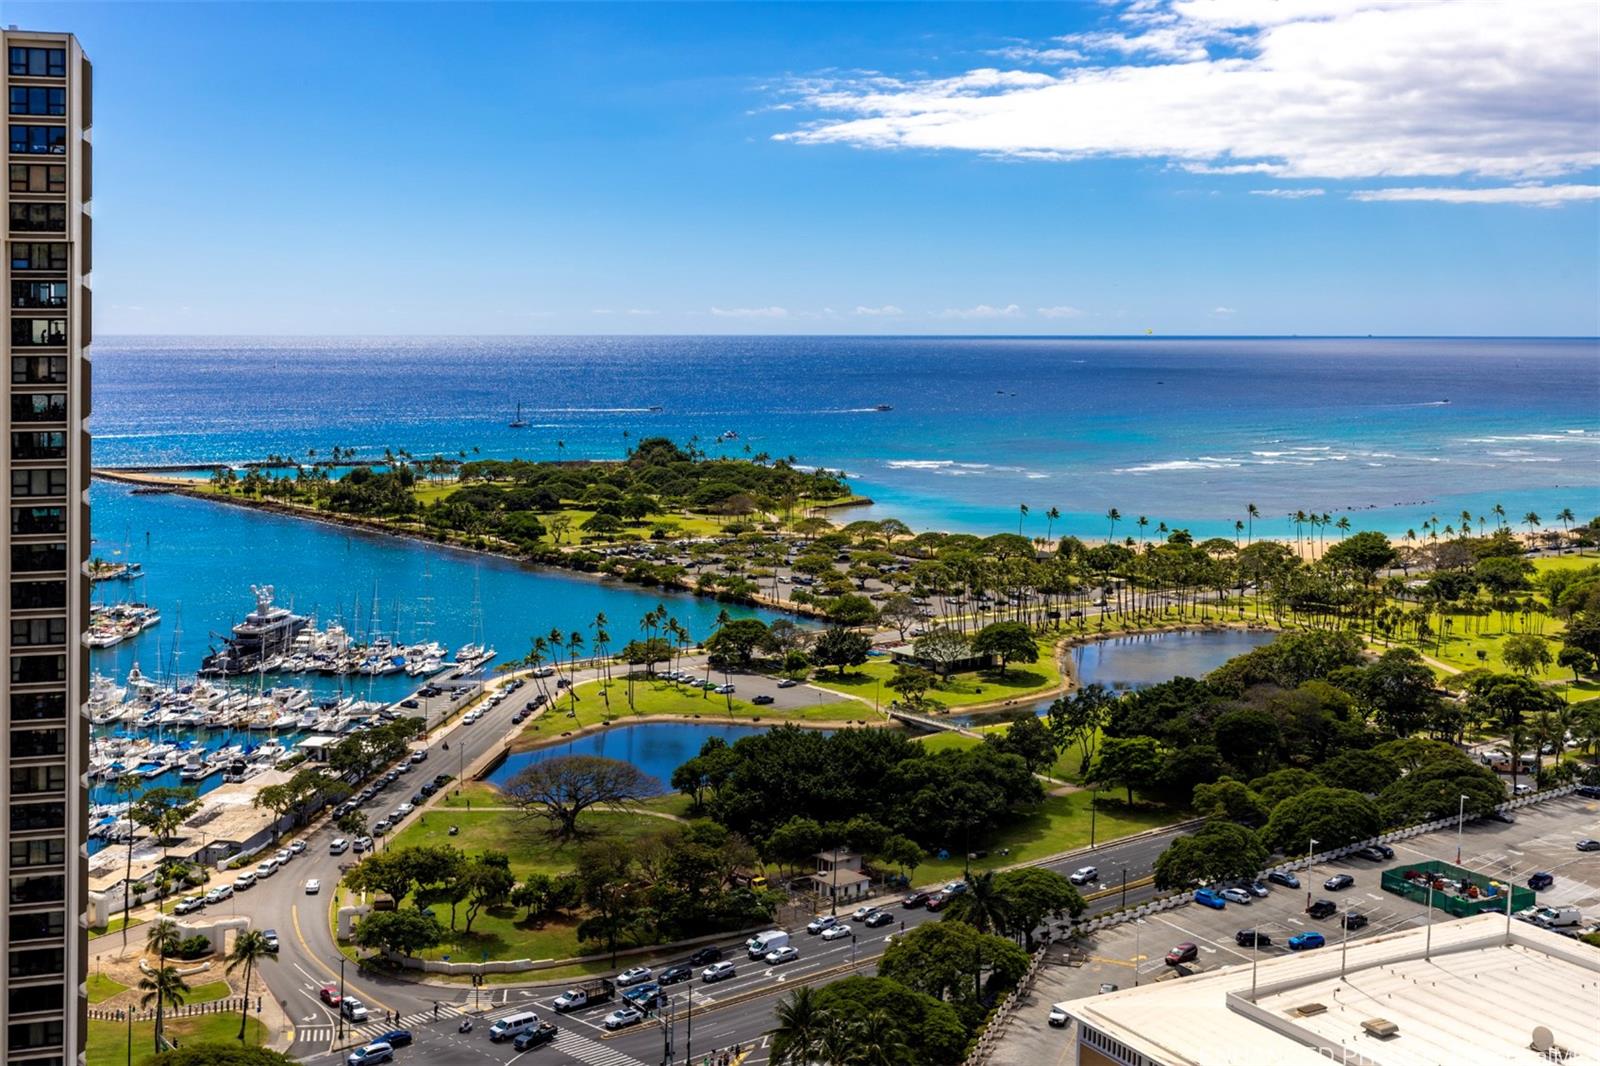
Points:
[(519, 422), (883, 407)]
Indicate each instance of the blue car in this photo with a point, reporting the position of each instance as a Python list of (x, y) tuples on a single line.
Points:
[(1284, 878), (395, 1038), (1208, 898), (1306, 941)]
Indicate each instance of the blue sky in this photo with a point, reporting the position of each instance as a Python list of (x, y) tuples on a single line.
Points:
[(1204, 166)]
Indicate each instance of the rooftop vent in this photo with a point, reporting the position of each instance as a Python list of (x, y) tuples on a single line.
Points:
[(1306, 1010), (1381, 1028)]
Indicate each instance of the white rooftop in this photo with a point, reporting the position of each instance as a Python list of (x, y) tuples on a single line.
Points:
[(1475, 999)]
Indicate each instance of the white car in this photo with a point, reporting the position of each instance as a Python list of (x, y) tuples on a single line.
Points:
[(404, 809), (724, 690), (313, 886), (836, 932), (634, 975), (244, 881), (623, 1017), (782, 955), (298, 847), (1083, 875), (818, 924), (1058, 1018), (283, 856), (218, 894), (188, 905), (863, 912)]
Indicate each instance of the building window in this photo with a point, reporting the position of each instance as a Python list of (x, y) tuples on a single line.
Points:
[(38, 295), (38, 595), (38, 62), (38, 332), (38, 370), (38, 558), (39, 888), (38, 482), (38, 177), (39, 962), (36, 100), (39, 407), (47, 445), (37, 999), (38, 852), (26, 520), (38, 632), (25, 1036), (38, 218), (42, 926), (31, 780), (30, 817), (38, 669), (38, 743), (38, 255), (38, 706), (38, 140)]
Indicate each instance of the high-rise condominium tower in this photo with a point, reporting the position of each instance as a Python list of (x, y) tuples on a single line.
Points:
[(46, 589)]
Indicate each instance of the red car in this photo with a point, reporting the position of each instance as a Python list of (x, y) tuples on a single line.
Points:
[(1185, 952), (937, 901), (330, 996)]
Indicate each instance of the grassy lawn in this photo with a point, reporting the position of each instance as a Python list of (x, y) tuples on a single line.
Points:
[(1065, 768), (108, 1041), (504, 932), (115, 924), (1060, 824), (209, 992), (102, 988), (870, 681), (657, 698)]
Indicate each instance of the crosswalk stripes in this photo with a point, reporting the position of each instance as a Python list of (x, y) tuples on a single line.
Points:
[(421, 1017), (591, 1051), (315, 1034)]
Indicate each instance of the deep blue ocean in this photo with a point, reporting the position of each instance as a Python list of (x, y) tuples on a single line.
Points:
[(1183, 431)]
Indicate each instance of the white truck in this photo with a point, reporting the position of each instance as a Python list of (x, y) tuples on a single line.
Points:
[(762, 943), (1557, 917)]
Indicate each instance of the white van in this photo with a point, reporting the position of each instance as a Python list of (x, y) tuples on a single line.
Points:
[(243, 881), (512, 1024), (760, 944), (268, 868), (339, 846), (1557, 917)]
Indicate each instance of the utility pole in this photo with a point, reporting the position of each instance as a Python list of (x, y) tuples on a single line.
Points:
[(1094, 809), (688, 1029), (1461, 813), (1124, 887), (666, 1029), (341, 997)]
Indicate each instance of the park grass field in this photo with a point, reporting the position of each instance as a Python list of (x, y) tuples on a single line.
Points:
[(869, 681), (108, 1041), (102, 988), (658, 698)]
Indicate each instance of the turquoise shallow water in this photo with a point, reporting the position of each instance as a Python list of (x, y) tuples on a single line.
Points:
[(1186, 431)]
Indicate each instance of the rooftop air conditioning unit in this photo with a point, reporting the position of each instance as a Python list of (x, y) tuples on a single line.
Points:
[(1382, 1028), (1306, 1010)]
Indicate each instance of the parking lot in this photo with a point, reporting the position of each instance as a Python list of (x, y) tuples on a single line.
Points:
[(1542, 837)]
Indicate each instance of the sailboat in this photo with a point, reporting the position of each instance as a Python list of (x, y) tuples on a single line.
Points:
[(519, 422)]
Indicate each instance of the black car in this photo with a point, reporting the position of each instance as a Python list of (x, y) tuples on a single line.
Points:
[(706, 956), (1247, 937), (673, 974), (1287, 880), (915, 899), (1376, 852), (1355, 921), (877, 918), (1541, 880), (418, 798), (1337, 882), (1322, 908), (1591, 791), (538, 1036), (761, 700), (410, 705), (395, 1038)]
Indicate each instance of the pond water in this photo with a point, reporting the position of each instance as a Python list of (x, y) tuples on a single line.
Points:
[(1142, 660), (657, 748)]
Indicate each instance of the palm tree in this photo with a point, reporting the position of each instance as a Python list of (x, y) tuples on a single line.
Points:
[(878, 1041), (1238, 528), (1022, 512), (1252, 513), (128, 785), (1113, 516), (1566, 518), (800, 1025), (1499, 516), (980, 906), (1531, 520), (166, 986), (248, 946), (1141, 522), (1051, 517)]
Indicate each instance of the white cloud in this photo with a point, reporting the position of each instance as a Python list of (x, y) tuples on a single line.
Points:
[(885, 311), (1223, 312), (982, 311), (750, 312), (1322, 89), (1060, 311), (1529, 195), (1287, 194)]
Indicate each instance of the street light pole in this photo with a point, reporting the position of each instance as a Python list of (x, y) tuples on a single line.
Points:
[(1094, 809), (1461, 813), (341, 997)]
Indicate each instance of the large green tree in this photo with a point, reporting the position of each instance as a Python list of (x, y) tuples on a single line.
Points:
[(952, 961), (1010, 642), (1216, 852), (1333, 817), (1130, 763)]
